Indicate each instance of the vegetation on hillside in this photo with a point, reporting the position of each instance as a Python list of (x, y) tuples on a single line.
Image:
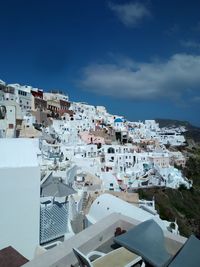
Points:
[(192, 169), (181, 205)]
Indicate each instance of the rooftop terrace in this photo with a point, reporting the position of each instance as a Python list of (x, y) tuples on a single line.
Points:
[(96, 237)]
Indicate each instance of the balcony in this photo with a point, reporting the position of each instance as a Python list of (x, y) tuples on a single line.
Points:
[(96, 237)]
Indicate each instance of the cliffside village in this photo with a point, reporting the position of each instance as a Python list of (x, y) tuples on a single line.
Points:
[(72, 164)]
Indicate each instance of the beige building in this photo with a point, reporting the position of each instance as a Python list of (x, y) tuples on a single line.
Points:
[(177, 158), (160, 159)]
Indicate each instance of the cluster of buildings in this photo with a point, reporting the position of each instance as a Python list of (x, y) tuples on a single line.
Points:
[(65, 166)]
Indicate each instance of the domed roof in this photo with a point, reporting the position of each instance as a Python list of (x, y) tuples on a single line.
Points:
[(106, 204), (118, 120)]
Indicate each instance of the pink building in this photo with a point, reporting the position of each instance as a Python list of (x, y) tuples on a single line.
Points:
[(89, 138)]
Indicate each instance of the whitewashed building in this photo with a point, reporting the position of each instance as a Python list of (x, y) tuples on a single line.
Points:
[(21, 94), (10, 123)]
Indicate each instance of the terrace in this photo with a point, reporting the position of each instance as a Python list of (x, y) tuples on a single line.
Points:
[(96, 237)]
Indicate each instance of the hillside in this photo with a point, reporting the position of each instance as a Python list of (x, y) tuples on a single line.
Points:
[(182, 205), (170, 123), (193, 132)]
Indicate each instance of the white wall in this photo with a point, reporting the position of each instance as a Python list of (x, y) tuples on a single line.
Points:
[(20, 209), (19, 196), (23, 98)]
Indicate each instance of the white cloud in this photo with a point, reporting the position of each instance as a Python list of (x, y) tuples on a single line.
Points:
[(190, 44), (130, 14), (140, 80)]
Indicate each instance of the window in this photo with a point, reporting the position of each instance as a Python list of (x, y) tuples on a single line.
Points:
[(111, 150), (2, 112)]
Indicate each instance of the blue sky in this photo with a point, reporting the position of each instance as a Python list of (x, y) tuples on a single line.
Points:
[(140, 59)]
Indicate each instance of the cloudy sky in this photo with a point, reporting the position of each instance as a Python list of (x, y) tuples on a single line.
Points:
[(140, 59)]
